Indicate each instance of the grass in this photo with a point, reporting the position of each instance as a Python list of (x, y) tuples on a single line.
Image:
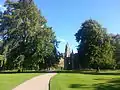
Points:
[(108, 80), (9, 81)]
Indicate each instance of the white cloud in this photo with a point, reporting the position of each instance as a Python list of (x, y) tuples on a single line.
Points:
[(2, 8)]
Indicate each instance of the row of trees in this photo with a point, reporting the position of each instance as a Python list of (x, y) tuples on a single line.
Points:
[(26, 41), (97, 48)]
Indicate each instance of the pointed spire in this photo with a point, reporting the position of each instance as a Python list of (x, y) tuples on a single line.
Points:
[(72, 51), (67, 44), (67, 50)]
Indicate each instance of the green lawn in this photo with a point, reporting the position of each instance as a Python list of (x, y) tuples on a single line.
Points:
[(9, 81), (76, 81)]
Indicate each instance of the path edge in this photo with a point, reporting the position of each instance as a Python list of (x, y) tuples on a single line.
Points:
[(50, 81)]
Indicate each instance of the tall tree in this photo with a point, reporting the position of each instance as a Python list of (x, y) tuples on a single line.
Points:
[(115, 41), (27, 40), (94, 47)]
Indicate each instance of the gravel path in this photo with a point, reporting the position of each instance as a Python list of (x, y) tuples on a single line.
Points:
[(37, 83)]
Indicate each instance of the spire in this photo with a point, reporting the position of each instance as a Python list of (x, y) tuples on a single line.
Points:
[(67, 50), (72, 51)]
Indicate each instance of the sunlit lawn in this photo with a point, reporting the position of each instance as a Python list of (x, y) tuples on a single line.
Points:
[(9, 81), (76, 81)]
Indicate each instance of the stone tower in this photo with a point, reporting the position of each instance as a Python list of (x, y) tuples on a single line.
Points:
[(67, 56), (72, 59)]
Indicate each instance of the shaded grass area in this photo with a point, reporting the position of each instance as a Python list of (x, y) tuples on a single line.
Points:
[(108, 80), (9, 81)]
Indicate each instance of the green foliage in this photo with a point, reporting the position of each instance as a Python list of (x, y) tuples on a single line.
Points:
[(115, 41), (1, 57), (2, 61), (27, 40), (95, 49)]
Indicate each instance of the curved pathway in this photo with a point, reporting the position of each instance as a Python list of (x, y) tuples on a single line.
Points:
[(37, 83)]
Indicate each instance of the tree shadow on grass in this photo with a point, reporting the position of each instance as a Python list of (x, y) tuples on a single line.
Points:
[(103, 73), (108, 87), (91, 72), (113, 84), (101, 79), (78, 86), (75, 86)]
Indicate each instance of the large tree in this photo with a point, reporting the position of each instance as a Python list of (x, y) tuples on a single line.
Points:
[(115, 41), (27, 40), (95, 49)]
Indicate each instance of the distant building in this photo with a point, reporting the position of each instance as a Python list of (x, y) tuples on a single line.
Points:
[(71, 61), (67, 57)]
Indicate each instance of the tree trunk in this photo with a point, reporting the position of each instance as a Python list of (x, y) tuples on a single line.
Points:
[(98, 69)]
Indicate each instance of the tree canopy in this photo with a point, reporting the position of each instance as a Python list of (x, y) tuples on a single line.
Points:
[(94, 49), (27, 40)]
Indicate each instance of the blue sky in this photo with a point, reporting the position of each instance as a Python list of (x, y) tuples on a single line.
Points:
[(66, 16)]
